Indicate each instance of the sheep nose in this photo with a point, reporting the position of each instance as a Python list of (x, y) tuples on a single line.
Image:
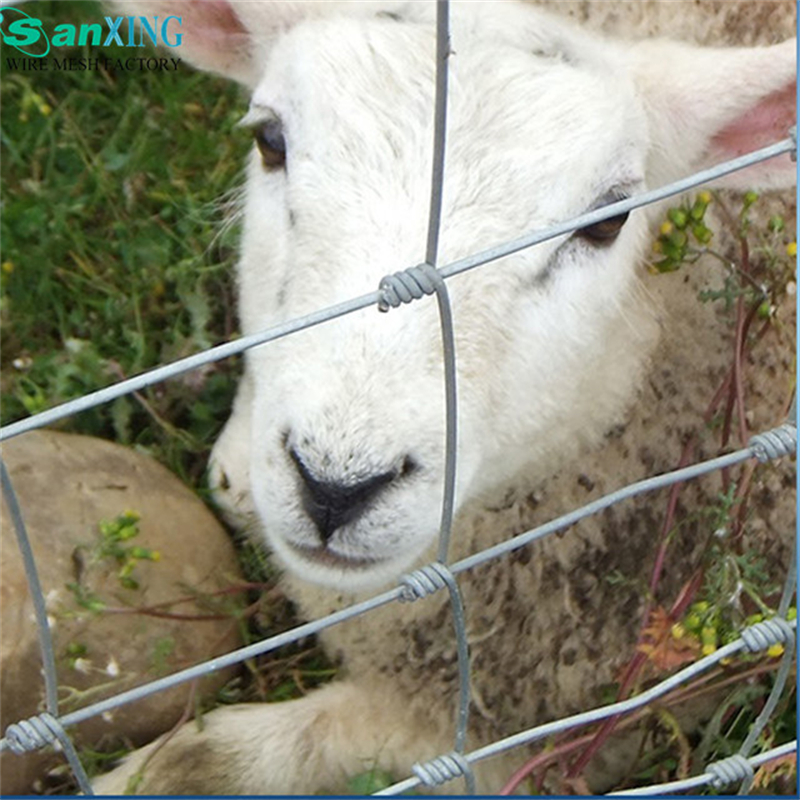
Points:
[(332, 504)]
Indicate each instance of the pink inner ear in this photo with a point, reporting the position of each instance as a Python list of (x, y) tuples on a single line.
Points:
[(765, 123), (214, 22)]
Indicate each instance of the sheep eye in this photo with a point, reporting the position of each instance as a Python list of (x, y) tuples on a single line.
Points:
[(605, 231), (271, 143)]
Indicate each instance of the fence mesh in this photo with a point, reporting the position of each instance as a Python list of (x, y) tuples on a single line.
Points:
[(429, 278)]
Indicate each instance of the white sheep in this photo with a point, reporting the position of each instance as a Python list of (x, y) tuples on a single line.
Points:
[(336, 441)]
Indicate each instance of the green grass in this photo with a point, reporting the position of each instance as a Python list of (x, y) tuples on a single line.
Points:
[(118, 254), (116, 258), (115, 255)]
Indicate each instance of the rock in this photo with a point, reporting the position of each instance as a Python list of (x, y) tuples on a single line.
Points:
[(66, 485)]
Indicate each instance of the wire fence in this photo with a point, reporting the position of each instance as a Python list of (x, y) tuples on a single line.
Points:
[(428, 278)]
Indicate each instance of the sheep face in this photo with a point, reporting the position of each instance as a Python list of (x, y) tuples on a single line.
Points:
[(337, 437), (347, 449)]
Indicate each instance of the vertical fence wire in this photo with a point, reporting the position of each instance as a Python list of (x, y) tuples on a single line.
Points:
[(420, 584), (35, 588), (427, 279), (431, 259), (765, 715), (49, 729), (772, 444), (379, 297)]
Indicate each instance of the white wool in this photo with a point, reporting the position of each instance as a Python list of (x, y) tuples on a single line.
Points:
[(546, 121)]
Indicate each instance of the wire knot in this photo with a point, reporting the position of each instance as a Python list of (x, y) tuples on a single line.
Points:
[(780, 441), (763, 635), (33, 734), (444, 768), (410, 284), (729, 770), (424, 581)]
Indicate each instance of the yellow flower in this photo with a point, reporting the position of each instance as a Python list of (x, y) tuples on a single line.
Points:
[(666, 228), (678, 631), (7, 267), (776, 650), (709, 648), (704, 197), (791, 249)]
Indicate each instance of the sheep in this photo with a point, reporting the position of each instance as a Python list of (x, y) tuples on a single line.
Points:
[(334, 449)]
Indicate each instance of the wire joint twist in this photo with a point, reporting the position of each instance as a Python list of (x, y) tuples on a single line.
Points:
[(729, 770), (34, 733), (763, 635), (780, 441), (445, 768), (408, 285), (425, 581)]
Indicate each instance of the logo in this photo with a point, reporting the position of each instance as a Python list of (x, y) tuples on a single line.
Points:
[(27, 34)]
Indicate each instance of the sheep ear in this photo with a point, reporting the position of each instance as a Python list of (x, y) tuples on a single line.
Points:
[(708, 105), (212, 35), (233, 37)]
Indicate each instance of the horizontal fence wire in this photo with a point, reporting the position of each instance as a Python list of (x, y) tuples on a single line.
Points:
[(228, 349), (48, 727), (604, 712), (708, 778), (396, 593)]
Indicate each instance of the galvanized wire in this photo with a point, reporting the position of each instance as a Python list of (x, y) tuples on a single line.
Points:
[(782, 676), (417, 585), (707, 778), (439, 130), (49, 727), (238, 346), (596, 714), (43, 730), (35, 588), (404, 287)]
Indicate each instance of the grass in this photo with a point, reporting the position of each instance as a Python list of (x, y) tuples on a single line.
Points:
[(118, 255), (115, 257)]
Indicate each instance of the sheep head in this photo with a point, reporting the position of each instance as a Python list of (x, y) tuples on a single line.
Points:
[(337, 437)]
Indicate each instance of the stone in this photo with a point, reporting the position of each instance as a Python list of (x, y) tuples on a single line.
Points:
[(97, 588)]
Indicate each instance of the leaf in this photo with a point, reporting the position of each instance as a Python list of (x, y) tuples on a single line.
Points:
[(367, 783), (666, 645), (785, 766)]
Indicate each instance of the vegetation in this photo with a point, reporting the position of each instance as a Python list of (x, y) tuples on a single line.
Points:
[(730, 587), (118, 244), (117, 250), (119, 235)]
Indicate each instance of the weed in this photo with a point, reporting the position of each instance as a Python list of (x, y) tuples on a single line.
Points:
[(730, 586), (369, 782), (114, 256)]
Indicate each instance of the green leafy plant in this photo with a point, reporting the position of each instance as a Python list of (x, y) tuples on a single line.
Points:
[(730, 586), (115, 258)]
